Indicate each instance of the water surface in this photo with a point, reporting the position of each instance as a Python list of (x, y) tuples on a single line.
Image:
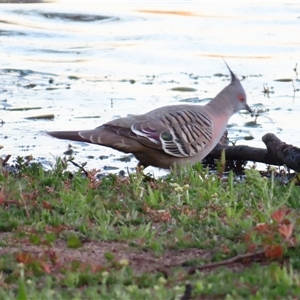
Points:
[(87, 64)]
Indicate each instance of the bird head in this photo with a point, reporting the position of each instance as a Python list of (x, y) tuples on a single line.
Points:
[(236, 94)]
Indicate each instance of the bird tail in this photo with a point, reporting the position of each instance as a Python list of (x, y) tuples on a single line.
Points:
[(100, 136), (68, 135)]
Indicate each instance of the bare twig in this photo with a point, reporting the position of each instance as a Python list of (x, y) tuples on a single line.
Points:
[(295, 70), (79, 167), (6, 159), (226, 262)]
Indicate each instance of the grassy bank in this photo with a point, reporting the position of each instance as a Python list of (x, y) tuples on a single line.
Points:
[(192, 235)]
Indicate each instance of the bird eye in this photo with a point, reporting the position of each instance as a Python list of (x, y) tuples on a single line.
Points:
[(241, 98)]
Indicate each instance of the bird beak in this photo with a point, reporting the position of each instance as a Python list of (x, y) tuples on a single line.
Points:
[(247, 107)]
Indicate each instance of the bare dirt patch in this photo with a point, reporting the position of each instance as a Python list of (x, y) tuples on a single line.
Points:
[(93, 252)]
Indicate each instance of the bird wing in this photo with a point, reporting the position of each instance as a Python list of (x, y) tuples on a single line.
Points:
[(182, 133)]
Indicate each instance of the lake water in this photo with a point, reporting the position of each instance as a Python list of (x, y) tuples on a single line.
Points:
[(87, 64)]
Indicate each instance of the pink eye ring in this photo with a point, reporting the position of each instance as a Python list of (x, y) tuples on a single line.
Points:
[(241, 98)]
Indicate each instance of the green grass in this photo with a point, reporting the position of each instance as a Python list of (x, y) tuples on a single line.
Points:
[(66, 236)]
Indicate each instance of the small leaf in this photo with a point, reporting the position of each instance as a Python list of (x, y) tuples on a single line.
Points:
[(274, 251), (223, 158), (262, 227), (109, 256), (278, 215), (225, 249), (21, 290), (24, 258), (35, 239), (74, 242), (47, 205), (45, 267), (286, 230)]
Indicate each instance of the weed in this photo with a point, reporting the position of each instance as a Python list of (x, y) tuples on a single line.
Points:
[(74, 236)]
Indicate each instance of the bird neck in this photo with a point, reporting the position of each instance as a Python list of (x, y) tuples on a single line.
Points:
[(220, 116), (221, 106)]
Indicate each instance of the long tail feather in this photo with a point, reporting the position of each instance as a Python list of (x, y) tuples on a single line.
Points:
[(68, 135)]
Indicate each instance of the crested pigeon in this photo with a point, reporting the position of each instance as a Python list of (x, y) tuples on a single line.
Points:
[(174, 134)]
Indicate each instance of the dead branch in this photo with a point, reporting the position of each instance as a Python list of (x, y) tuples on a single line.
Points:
[(277, 153), (235, 259)]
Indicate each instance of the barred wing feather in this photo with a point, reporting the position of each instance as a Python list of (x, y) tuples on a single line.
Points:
[(181, 134)]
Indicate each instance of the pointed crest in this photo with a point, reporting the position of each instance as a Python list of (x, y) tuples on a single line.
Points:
[(233, 78)]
